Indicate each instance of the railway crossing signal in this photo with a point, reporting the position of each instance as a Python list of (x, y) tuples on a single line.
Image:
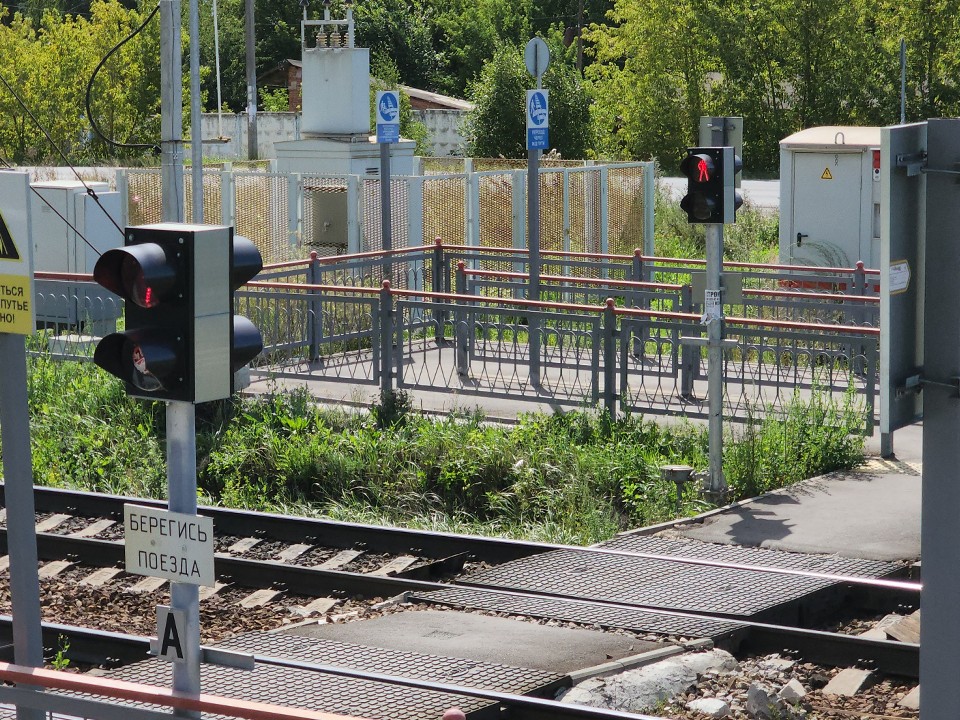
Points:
[(711, 192), (182, 341)]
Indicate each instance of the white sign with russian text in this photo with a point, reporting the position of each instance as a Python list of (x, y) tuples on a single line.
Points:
[(175, 546)]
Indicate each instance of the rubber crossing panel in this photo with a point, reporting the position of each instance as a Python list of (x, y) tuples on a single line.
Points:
[(763, 557), (315, 691), (418, 666), (674, 626), (655, 583)]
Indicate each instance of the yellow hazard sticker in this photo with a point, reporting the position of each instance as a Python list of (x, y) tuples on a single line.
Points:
[(16, 315), (827, 175)]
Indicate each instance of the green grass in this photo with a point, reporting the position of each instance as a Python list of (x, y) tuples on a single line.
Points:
[(571, 477), (754, 237)]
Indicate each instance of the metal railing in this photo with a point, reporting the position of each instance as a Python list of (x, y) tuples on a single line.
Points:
[(604, 331), (627, 344)]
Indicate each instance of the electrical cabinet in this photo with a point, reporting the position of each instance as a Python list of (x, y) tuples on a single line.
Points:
[(70, 232), (830, 197)]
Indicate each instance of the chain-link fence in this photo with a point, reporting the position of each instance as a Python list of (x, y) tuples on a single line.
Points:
[(583, 208)]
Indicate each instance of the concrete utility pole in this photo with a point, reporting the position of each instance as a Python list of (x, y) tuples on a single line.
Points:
[(251, 37), (171, 112), (196, 132)]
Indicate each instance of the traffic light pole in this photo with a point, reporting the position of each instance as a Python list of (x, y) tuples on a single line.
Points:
[(713, 318), (182, 498)]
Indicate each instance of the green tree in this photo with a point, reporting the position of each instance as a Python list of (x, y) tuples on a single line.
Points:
[(648, 78), (54, 63), (468, 33), (497, 125)]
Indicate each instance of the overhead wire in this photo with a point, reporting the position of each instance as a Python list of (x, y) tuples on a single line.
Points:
[(90, 191), (93, 76)]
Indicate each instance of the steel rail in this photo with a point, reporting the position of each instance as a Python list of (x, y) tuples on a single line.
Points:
[(438, 545), (152, 695), (884, 594), (329, 533), (817, 646), (522, 707), (812, 645), (298, 579)]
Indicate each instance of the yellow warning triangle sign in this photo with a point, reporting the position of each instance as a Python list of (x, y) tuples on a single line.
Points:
[(8, 249), (827, 175)]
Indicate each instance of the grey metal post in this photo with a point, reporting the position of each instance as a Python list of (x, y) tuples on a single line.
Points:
[(713, 314), (182, 494), (462, 337), (250, 36), (940, 632), (649, 203), (386, 339), (533, 241), (903, 81), (196, 133), (171, 112), (386, 221), (689, 355), (21, 527), (314, 308), (610, 359)]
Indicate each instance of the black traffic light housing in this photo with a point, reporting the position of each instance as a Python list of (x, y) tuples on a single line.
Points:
[(182, 341), (711, 196)]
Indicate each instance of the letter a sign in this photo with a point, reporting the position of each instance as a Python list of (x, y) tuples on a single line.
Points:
[(171, 631)]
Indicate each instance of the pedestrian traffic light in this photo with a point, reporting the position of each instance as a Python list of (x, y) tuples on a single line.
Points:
[(711, 193), (181, 340)]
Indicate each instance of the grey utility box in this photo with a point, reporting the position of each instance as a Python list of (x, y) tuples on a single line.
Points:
[(830, 197), (326, 220), (62, 211)]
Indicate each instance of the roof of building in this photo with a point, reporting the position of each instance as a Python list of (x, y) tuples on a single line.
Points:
[(830, 136), (419, 99)]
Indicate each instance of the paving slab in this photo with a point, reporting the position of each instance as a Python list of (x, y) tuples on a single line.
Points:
[(484, 638), (869, 515)]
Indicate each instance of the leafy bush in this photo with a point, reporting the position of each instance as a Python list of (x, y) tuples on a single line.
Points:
[(815, 435)]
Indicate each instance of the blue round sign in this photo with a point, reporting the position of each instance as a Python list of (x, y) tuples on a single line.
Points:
[(388, 107), (538, 108)]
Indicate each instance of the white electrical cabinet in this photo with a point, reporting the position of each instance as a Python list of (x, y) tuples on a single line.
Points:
[(830, 197), (70, 231)]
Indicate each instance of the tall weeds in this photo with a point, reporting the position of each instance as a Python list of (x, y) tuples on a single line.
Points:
[(569, 477)]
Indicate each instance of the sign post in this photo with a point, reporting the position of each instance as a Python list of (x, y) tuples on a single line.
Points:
[(388, 132), (17, 320), (536, 57)]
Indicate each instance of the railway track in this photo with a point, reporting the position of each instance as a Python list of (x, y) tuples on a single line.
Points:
[(268, 564)]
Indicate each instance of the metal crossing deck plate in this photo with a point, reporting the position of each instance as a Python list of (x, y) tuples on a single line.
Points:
[(316, 691), (667, 584), (418, 666), (672, 625), (736, 554)]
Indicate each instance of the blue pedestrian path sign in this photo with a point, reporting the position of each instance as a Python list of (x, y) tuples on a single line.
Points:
[(388, 116), (538, 120)]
